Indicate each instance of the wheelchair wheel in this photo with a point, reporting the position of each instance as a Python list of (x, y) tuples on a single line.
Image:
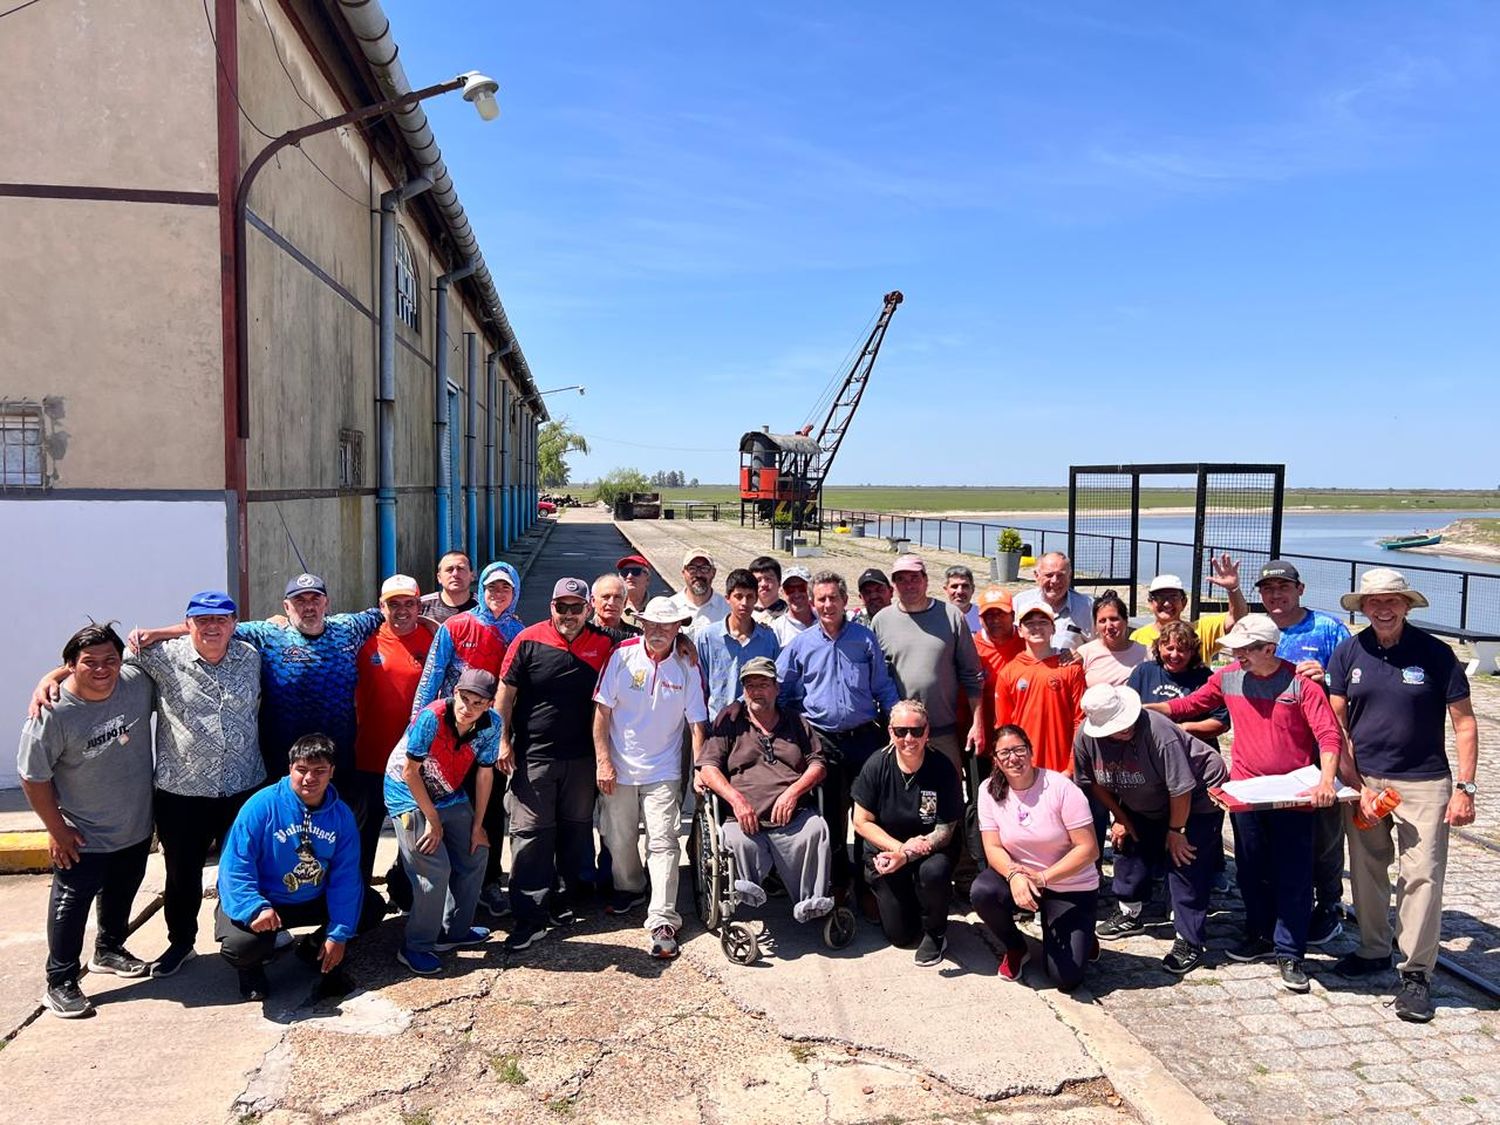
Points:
[(740, 944), (839, 928), (708, 873)]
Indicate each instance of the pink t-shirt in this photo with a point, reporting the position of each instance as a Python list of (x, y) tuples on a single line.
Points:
[(1101, 666), (1033, 825)]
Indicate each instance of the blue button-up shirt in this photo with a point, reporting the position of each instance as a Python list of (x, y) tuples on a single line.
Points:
[(838, 684), (721, 656)]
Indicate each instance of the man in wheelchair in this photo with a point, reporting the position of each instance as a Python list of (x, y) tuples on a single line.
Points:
[(765, 765)]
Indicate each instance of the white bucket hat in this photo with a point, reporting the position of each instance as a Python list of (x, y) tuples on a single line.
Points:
[(1108, 709), (1382, 580), (661, 611)]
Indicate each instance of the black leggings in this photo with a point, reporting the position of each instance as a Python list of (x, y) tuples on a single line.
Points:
[(1067, 924), (914, 901)]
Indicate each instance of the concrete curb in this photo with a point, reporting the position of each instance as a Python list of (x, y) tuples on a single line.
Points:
[(523, 566), (24, 853)]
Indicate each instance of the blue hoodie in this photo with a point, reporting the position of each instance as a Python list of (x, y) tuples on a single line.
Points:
[(445, 660), (279, 851)]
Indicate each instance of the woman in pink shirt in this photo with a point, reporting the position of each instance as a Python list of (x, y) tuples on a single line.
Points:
[(1111, 656), (1040, 847)]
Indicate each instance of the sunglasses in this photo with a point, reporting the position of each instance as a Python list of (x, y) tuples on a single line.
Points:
[(567, 609), (908, 732), (632, 571)]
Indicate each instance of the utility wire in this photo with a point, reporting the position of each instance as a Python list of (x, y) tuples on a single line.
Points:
[(17, 8)]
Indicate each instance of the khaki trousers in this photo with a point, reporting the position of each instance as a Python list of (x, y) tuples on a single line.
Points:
[(1415, 837)]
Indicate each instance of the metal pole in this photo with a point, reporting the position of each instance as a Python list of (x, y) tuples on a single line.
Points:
[(491, 538), (471, 444), (506, 504), (443, 492)]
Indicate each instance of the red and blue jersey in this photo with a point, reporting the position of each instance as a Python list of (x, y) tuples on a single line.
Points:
[(446, 756)]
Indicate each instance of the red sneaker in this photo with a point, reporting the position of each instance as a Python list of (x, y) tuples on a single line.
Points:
[(1012, 963)]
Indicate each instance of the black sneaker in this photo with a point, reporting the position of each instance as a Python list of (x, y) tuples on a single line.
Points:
[(1183, 958), (67, 1001), (253, 984), (1119, 924), (169, 962), (1353, 965), (560, 917), (930, 951), (1293, 977), (1251, 949), (309, 950), (524, 936), (1326, 924), (624, 902), (117, 962), (1414, 1002)]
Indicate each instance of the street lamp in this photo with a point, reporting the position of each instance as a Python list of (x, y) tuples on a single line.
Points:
[(579, 387)]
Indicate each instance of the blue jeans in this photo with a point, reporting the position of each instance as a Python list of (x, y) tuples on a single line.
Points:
[(445, 885), (1273, 850), (1188, 886)]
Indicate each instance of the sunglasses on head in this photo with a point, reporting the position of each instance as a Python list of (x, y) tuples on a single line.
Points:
[(908, 732), (632, 571), (568, 608)]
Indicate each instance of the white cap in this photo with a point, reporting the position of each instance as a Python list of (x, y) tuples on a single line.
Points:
[(796, 572), (400, 586), (1252, 629), (1166, 582)]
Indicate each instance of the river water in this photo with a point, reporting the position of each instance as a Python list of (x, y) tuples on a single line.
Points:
[(1330, 549)]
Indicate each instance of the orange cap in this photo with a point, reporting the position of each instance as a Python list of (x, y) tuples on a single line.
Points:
[(993, 597)]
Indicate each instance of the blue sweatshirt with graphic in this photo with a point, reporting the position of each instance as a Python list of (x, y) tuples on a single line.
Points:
[(279, 851)]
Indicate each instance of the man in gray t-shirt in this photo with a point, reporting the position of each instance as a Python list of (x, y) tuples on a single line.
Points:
[(86, 769)]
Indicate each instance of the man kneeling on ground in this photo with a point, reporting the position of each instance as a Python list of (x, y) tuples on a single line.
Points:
[(765, 763), (292, 859)]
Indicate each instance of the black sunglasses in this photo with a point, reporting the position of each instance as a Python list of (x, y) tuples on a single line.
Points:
[(632, 571), (908, 732), (569, 608)]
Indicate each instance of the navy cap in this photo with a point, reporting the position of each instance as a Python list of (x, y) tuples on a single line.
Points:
[(305, 583), (1278, 569), (212, 603)]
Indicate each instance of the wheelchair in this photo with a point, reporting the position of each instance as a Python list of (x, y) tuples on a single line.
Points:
[(713, 872)]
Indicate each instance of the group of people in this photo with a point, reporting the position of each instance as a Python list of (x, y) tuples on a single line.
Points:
[(980, 739)]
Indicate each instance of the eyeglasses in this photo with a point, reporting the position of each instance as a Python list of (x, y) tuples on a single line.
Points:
[(568, 609), (698, 568), (1012, 751), (908, 732), (632, 571)]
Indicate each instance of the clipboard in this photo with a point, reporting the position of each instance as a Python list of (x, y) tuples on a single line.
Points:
[(1276, 791)]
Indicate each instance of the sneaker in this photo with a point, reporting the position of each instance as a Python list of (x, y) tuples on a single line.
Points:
[(420, 962), (1353, 965), (930, 951), (624, 902), (118, 962), (1326, 925), (474, 935), (524, 936), (1095, 951), (1251, 949), (67, 1001), (1012, 963), (173, 959), (1119, 924), (308, 949), (1293, 976), (1414, 1002), (664, 943), (1183, 958), (560, 917), (253, 984), (495, 899)]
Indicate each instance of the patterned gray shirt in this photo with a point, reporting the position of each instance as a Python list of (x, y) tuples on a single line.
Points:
[(207, 738)]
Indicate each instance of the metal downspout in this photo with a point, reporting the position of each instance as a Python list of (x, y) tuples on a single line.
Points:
[(490, 363), (507, 505), (443, 492), (385, 387), (471, 451)]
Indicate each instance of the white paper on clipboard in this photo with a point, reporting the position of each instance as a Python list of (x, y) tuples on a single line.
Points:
[(1283, 788)]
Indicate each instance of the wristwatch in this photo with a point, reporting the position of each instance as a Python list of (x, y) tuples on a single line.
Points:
[(1182, 831), (1466, 787)]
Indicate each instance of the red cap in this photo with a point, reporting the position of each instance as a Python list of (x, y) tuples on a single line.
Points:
[(632, 560)]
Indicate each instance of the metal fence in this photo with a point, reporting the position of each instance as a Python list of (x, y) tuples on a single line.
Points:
[(1463, 602)]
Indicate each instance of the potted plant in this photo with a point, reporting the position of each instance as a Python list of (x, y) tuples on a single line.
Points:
[(1006, 565)]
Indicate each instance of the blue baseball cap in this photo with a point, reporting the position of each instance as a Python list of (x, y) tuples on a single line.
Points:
[(212, 603), (304, 584)]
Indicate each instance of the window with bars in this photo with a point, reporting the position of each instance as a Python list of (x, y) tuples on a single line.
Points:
[(408, 308), (23, 450), (351, 459)]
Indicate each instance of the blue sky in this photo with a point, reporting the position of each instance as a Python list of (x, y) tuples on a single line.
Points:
[(1248, 231)]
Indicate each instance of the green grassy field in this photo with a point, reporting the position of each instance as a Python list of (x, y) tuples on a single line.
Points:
[(894, 498)]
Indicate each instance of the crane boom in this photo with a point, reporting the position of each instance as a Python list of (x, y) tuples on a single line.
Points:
[(841, 413)]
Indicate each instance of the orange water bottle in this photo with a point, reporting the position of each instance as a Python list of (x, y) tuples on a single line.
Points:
[(1384, 803)]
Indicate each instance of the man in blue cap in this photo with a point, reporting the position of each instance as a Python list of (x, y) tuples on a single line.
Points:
[(208, 758)]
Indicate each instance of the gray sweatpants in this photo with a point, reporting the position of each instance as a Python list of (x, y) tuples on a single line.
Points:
[(445, 885), (798, 851)]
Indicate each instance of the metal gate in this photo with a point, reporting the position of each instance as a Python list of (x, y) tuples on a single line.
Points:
[(1236, 509)]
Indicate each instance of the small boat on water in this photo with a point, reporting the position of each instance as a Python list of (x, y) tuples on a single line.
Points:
[(1416, 539)]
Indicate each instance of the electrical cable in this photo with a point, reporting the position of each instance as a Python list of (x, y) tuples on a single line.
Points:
[(17, 8)]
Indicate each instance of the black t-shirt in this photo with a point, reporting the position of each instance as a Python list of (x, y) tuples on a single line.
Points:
[(553, 716), (435, 609), (908, 805), (1398, 701), (1154, 684)]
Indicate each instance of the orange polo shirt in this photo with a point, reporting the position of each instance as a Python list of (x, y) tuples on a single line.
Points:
[(993, 658), (1042, 697), (389, 668)]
